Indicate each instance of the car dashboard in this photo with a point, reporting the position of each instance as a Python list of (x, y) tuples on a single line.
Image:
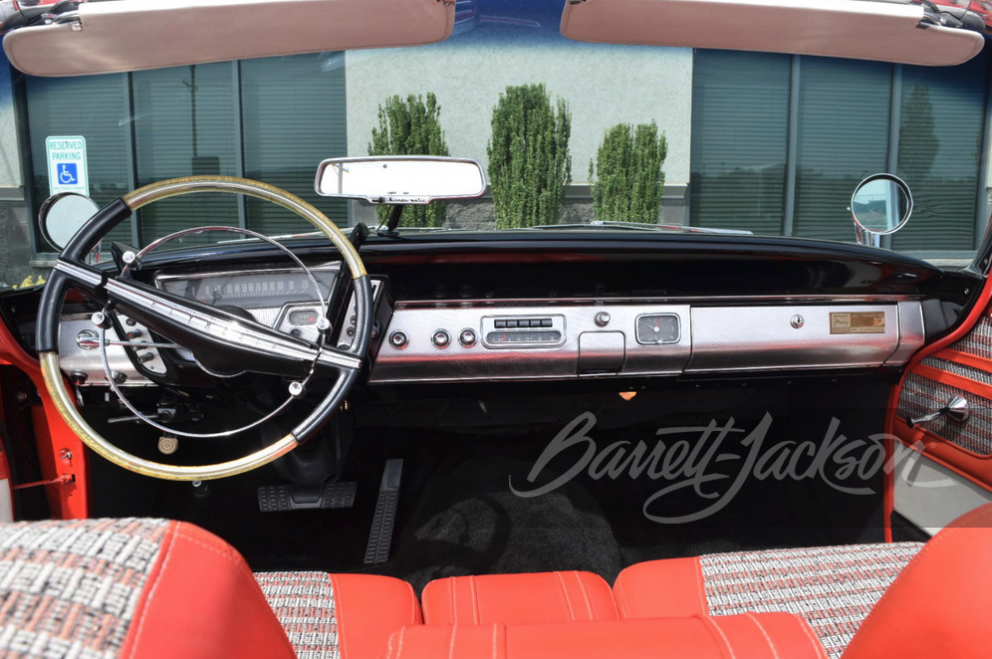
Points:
[(458, 313)]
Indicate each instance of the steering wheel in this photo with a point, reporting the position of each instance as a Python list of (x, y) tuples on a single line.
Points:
[(221, 342)]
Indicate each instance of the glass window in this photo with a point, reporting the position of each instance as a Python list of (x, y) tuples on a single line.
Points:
[(92, 107), (843, 136), (183, 126), (941, 138), (294, 117), (740, 121)]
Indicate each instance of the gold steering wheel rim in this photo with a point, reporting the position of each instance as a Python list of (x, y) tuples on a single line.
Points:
[(55, 382)]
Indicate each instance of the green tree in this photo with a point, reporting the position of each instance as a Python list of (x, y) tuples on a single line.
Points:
[(629, 182), (411, 127), (529, 163)]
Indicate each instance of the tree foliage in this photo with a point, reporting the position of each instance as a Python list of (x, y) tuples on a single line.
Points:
[(529, 163), (629, 182), (411, 127)]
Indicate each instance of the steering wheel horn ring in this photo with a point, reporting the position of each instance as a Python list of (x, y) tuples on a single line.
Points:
[(221, 336)]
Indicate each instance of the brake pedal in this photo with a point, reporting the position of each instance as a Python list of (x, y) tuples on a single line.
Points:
[(381, 535), (280, 498)]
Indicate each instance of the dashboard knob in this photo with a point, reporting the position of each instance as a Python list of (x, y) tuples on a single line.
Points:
[(467, 338), (602, 318), (88, 340), (398, 340), (441, 339)]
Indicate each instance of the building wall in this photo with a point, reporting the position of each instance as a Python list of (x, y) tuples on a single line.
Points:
[(594, 80)]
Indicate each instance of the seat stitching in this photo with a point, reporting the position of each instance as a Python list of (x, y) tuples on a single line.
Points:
[(476, 608), (222, 551), (764, 633), (454, 601), (820, 652), (151, 594), (621, 599), (338, 611), (585, 595), (701, 587), (423, 605), (389, 651), (495, 635), (707, 620), (561, 582), (399, 649), (451, 647)]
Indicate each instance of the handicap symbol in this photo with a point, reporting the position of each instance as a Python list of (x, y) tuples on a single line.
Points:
[(67, 173)]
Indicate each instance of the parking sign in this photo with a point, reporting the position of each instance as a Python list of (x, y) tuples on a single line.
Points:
[(67, 165)]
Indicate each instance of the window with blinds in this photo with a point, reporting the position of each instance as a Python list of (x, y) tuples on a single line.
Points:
[(294, 117), (154, 125), (844, 132), (91, 107), (183, 125), (941, 139), (843, 136), (740, 120)]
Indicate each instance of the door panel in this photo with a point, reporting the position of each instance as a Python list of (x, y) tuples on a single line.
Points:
[(960, 365)]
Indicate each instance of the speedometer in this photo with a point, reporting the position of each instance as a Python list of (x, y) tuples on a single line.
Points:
[(252, 290)]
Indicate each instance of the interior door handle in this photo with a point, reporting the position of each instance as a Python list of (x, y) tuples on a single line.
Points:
[(957, 409)]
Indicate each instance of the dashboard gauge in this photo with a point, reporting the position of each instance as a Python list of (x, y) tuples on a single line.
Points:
[(655, 329), (304, 317), (252, 290)]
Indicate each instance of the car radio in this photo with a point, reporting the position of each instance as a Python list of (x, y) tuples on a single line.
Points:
[(537, 331)]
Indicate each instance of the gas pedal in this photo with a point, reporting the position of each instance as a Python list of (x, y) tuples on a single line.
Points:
[(280, 498), (381, 535)]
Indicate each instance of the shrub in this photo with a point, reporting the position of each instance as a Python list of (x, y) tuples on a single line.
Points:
[(411, 127), (629, 182), (529, 164)]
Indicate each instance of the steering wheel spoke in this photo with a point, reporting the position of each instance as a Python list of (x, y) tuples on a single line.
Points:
[(223, 344)]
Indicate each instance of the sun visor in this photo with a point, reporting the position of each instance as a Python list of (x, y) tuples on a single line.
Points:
[(132, 35), (859, 29)]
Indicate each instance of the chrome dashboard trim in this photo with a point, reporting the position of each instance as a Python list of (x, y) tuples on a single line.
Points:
[(912, 334), (420, 361), (743, 338), (763, 338)]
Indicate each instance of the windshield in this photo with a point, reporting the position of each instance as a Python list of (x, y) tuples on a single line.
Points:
[(568, 134)]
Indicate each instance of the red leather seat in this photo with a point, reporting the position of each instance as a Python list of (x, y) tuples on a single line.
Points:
[(540, 597), (939, 605), (751, 636), (832, 588), (148, 588)]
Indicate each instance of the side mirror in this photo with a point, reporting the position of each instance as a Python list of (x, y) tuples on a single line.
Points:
[(62, 215), (400, 179), (880, 206)]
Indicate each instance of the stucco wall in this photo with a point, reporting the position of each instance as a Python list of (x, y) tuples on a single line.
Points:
[(604, 85)]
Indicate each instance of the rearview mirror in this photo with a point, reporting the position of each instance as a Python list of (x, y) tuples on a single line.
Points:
[(400, 179), (62, 215), (880, 206)]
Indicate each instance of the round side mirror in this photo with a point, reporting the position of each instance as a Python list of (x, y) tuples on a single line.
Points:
[(880, 205), (62, 215)]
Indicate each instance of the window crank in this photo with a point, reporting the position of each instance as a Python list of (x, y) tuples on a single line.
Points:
[(957, 409)]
